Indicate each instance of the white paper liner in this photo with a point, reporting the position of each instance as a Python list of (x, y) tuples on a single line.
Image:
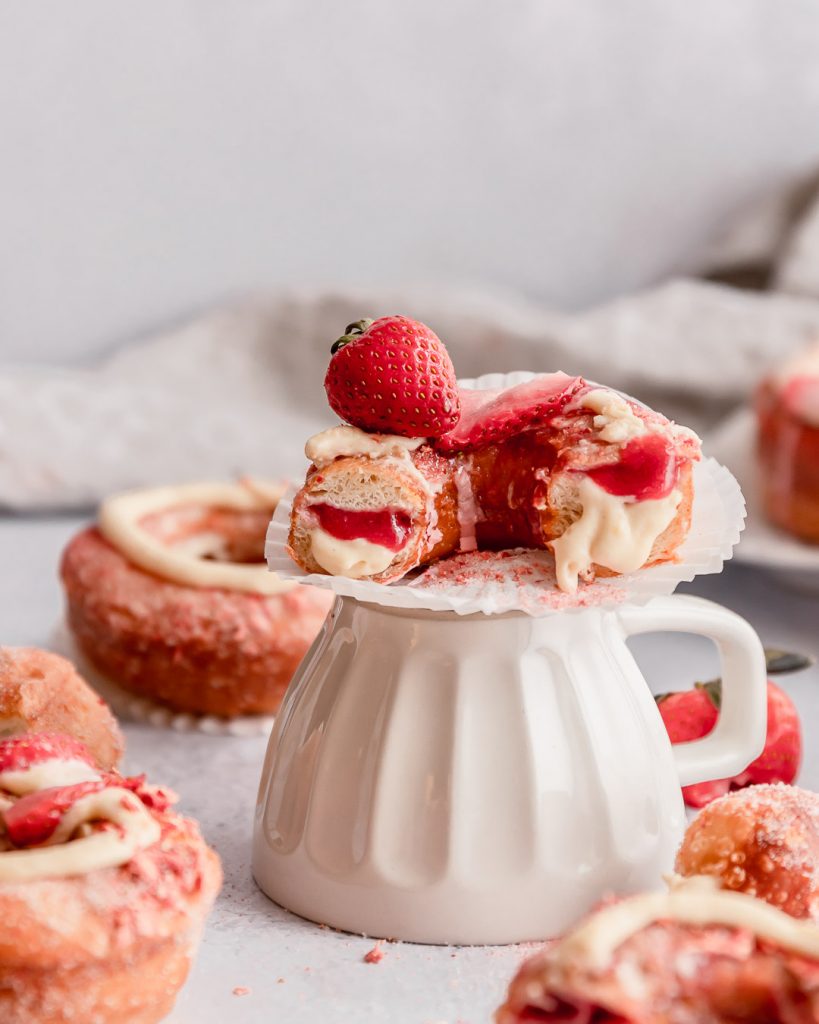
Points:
[(523, 580), (133, 708)]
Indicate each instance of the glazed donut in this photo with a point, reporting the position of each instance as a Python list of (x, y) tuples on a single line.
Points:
[(787, 411), (763, 840), (694, 955), (104, 890), (555, 462), (169, 598), (42, 692)]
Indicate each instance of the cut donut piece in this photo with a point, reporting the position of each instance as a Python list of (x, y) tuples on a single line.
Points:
[(555, 463), (694, 954)]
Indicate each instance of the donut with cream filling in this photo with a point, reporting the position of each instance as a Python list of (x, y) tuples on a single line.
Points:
[(104, 890), (169, 597), (555, 462), (693, 955)]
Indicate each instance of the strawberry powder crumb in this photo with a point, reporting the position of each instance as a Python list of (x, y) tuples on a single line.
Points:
[(241, 990), (375, 955)]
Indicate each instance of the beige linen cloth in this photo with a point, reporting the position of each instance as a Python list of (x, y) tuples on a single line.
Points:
[(240, 390)]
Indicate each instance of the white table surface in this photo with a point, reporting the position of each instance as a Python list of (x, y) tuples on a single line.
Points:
[(297, 972)]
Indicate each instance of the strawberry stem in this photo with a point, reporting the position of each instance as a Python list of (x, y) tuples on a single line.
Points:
[(351, 332)]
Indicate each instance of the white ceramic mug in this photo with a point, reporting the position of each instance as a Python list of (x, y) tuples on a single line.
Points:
[(486, 779)]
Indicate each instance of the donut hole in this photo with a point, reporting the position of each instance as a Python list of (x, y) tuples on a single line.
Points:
[(213, 534)]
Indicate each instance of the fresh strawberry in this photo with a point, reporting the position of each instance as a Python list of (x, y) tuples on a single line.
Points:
[(393, 375), (692, 714), (488, 417), (33, 818), (19, 752)]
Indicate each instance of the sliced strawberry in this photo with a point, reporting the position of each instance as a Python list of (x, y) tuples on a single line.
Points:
[(33, 819), (20, 752), (491, 416)]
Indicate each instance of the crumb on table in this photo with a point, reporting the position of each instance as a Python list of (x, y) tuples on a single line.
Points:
[(375, 955)]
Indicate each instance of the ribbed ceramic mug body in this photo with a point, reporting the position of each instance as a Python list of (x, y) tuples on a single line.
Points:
[(465, 779)]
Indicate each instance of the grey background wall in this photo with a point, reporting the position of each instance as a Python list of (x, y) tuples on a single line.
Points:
[(158, 156)]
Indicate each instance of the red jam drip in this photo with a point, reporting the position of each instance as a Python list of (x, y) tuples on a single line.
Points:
[(646, 471), (388, 527)]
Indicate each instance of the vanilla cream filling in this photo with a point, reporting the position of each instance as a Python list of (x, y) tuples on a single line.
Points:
[(612, 531), (615, 421), (63, 857), (695, 901), (323, 448), (119, 523), (49, 774), (353, 558)]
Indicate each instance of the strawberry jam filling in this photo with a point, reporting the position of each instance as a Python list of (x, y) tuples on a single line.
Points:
[(646, 470), (388, 527)]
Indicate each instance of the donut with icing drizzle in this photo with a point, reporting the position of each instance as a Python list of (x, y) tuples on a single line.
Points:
[(169, 597), (104, 890)]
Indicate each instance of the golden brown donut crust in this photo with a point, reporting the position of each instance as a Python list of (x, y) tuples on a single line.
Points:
[(199, 650), (762, 840), (112, 946), (42, 692)]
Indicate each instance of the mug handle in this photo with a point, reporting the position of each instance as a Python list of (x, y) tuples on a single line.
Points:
[(739, 735)]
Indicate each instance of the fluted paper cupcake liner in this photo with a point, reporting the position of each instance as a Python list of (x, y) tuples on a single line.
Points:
[(523, 579)]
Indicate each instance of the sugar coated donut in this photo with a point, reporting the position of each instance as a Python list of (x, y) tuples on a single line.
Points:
[(169, 598), (764, 841), (42, 692), (787, 414), (104, 890), (694, 955)]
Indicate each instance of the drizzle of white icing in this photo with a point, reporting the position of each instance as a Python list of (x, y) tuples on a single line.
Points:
[(119, 523), (616, 420), (696, 901), (62, 857), (47, 774), (611, 531), (351, 558), (323, 448)]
